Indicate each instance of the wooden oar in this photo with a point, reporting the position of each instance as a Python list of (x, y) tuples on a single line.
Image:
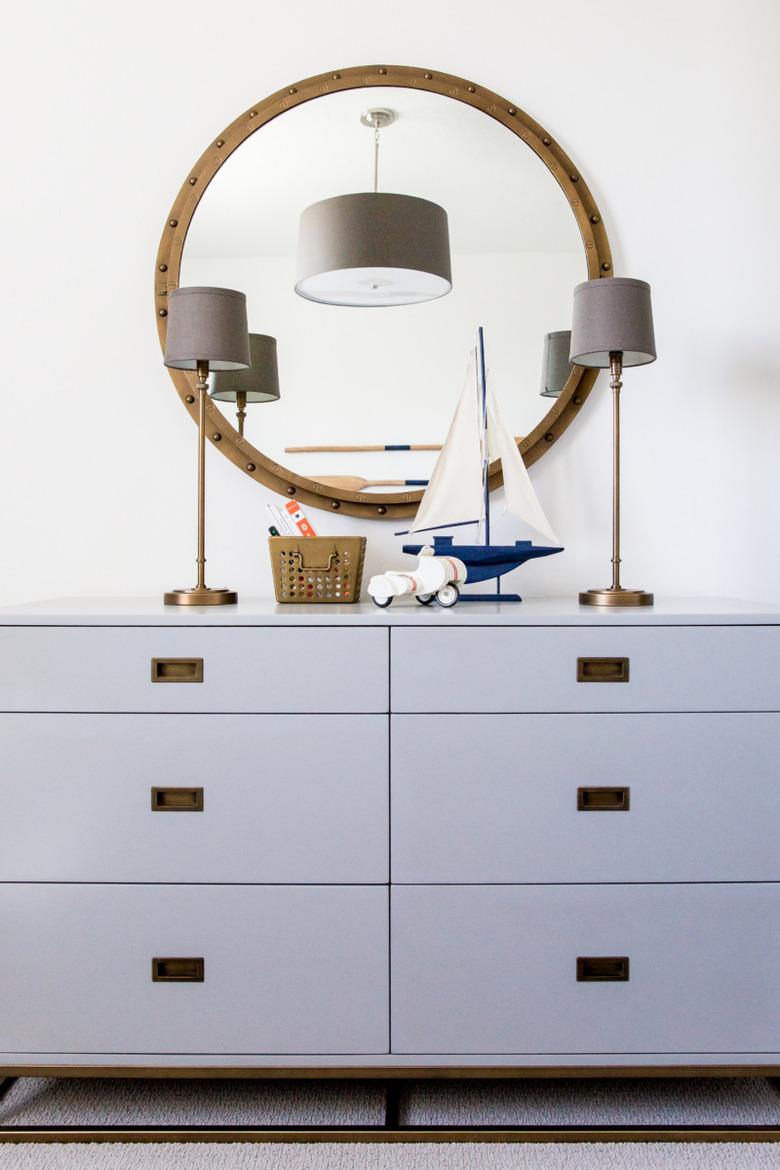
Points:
[(372, 447), (354, 483), (375, 447)]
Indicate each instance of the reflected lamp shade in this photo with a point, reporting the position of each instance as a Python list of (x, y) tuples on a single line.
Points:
[(373, 249), (259, 383), (207, 325), (556, 366), (612, 316)]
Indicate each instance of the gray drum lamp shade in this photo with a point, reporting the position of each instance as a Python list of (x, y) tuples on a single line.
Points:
[(612, 316), (373, 248), (207, 325), (260, 382), (556, 366)]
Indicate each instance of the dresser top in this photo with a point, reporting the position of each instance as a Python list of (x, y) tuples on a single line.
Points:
[(150, 611)]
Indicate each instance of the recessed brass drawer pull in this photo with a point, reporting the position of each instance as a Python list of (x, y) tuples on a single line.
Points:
[(177, 800), (178, 970), (603, 799), (602, 670), (603, 969), (177, 670)]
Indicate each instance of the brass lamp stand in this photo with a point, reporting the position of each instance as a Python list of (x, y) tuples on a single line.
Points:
[(206, 329), (615, 594), (613, 328), (201, 594)]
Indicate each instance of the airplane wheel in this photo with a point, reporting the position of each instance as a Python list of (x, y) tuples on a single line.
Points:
[(448, 596), (382, 604), (424, 598)]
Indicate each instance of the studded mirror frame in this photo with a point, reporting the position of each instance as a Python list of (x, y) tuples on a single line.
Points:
[(220, 431)]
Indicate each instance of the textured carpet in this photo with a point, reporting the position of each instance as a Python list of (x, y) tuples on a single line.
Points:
[(53, 1102)]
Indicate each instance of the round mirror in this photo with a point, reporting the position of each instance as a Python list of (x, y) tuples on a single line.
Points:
[(521, 230)]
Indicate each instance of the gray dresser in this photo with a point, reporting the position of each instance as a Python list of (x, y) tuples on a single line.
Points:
[(526, 836)]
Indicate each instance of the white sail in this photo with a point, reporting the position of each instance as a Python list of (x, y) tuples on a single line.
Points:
[(521, 499), (454, 492)]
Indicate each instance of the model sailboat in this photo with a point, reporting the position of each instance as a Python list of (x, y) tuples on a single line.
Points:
[(458, 492)]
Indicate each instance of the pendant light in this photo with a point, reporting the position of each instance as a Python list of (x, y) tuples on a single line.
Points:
[(373, 248)]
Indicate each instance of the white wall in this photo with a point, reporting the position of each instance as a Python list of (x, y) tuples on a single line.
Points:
[(670, 111)]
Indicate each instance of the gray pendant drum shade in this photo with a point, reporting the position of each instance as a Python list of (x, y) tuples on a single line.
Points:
[(556, 366), (260, 382), (612, 316), (207, 325), (373, 248)]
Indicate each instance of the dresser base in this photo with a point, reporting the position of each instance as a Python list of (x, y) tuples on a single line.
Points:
[(391, 1130)]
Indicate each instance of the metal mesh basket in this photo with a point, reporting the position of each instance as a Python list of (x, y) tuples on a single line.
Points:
[(317, 568)]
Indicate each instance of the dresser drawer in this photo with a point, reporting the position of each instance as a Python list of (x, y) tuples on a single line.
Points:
[(585, 798), (289, 969), (660, 668), (182, 798), (577, 970), (252, 668)]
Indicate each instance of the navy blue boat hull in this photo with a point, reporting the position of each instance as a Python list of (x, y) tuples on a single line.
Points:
[(484, 562)]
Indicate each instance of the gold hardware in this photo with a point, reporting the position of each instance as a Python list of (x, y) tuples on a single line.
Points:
[(216, 437), (547, 141), (177, 670), (163, 312), (603, 969), (190, 398), (163, 268), (472, 89), (177, 800), (178, 970), (250, 467), (602, 669), (595, 219), (173, 223), (603, 799), (576, 179), (220, 142), (193, 181), (512, 111)]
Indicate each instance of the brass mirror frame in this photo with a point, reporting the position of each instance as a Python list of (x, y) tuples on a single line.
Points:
[(220, 431)]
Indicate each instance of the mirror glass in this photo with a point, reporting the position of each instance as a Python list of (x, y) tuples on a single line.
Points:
[(390, 375)]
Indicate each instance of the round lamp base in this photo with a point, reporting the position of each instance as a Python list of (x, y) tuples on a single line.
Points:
[(201, 597), (616, 597)]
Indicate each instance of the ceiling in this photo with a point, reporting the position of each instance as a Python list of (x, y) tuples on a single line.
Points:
[(498, 195)]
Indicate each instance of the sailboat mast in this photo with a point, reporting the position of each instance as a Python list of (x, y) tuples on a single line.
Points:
[(485, 449)]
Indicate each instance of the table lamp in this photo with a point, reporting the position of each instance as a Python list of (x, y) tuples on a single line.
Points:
[(556, 366), (258, 383), (612, 327), (207, 330)]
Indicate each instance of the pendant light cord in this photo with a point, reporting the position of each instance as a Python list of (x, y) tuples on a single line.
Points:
[(376, 158)]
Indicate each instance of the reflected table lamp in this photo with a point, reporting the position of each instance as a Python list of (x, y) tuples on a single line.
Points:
[(612, 327), (207, 330), (258, 383), (556, 366)]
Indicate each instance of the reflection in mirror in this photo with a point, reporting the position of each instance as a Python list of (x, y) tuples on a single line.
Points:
[(392, 376)]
